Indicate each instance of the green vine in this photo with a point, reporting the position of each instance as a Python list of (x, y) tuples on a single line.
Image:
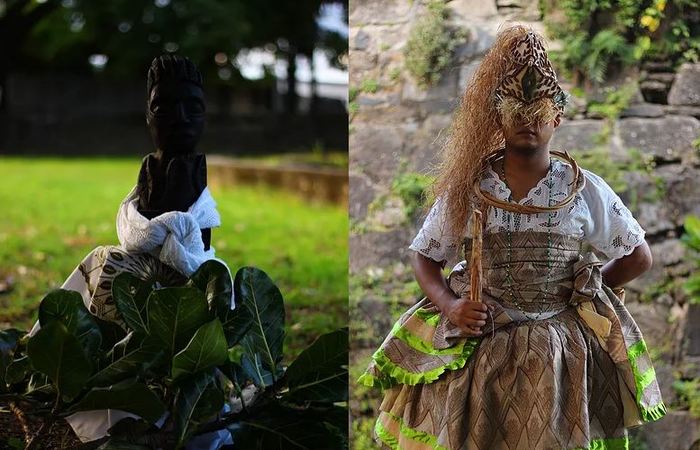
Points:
[(412, 188), (430, 45), (678, 34), (601, 37), (691, 239), (598, 160), (689, 395), (616, 101)]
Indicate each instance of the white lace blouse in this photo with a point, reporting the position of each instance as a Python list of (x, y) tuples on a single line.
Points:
[(596, 214)]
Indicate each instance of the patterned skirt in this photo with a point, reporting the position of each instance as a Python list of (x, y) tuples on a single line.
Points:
[(94, 275), (561, 364)]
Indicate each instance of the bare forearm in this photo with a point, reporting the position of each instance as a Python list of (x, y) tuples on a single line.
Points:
[(468, 315), (620, 271), (432, 282)]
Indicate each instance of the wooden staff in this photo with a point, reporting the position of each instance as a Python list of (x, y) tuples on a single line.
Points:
[(475, 266)]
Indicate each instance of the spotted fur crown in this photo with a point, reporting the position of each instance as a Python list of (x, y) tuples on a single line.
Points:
[(531, 75)]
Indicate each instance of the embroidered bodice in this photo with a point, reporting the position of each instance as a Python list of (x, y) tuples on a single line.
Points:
[(597, 215)]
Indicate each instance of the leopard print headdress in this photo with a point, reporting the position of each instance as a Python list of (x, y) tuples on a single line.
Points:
[(529, 79)]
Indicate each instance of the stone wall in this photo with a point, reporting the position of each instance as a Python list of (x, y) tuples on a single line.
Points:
[(398, 128)]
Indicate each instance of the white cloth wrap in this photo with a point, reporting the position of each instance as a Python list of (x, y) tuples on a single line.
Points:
[(174, 237)]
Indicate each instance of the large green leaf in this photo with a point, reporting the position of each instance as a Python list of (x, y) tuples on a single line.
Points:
[(198, 400), (130, 294), (18, 370), (214, 280), (175, 314), (206, 349), (283, 427), (131, 429), (111, 333), (58, 354), (40, 388), (8, 344), (149, 355), (121, 348), (320, 373), (234, 372), (242, 368), (37, 380), (252, 368), (68, 308), (135, 398), (258, 295)]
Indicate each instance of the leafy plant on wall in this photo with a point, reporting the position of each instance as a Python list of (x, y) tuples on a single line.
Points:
[(431, 44), (601, 37), (691, 239)]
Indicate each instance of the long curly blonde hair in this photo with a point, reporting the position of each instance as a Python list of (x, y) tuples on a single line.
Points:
[(476, 130)]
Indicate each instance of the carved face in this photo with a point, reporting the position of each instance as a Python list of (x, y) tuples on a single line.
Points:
[(175, 116)]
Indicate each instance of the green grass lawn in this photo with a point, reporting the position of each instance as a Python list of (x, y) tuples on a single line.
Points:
[(54, 211)]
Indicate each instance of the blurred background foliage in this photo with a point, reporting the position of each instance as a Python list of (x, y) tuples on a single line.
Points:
[(120, 38)]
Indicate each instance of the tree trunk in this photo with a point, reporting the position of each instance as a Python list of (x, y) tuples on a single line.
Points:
[(291, 98), (3, 90), (15, 26), (314, 86)]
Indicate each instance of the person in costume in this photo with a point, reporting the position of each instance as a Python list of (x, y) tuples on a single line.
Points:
[(527, 344)]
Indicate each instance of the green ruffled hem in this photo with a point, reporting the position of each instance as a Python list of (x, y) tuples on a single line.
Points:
[(369, 380), (608, 444), (386, 437), (419, 344), (653, 413), (431, 318), (393, 374), (392, 441)]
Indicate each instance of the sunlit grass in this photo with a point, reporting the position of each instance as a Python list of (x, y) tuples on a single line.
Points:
[(54, 211)]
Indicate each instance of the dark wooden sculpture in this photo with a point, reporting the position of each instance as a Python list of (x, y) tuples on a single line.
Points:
[(173, 177)]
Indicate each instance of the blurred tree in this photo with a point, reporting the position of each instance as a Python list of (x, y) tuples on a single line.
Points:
[(17, 19), (121, 37), (292, 26)]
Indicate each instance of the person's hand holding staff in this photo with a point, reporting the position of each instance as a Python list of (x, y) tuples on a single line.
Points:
[(469, 312), (475, 267)]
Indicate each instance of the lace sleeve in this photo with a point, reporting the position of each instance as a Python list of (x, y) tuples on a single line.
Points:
[(432, 240), (610, 226)]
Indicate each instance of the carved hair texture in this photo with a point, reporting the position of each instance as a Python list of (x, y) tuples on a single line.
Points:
[(491, 100), (172, 67)]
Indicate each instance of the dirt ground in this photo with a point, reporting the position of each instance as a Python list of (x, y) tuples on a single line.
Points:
[(12, 436)]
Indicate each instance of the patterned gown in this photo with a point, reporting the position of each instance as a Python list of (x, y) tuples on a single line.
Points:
[(561, 364)]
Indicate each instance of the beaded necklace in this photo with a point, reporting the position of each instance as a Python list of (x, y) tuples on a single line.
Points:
[(509, 277)]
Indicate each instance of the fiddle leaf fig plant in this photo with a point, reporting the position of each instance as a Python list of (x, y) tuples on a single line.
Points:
[(184, 362)]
